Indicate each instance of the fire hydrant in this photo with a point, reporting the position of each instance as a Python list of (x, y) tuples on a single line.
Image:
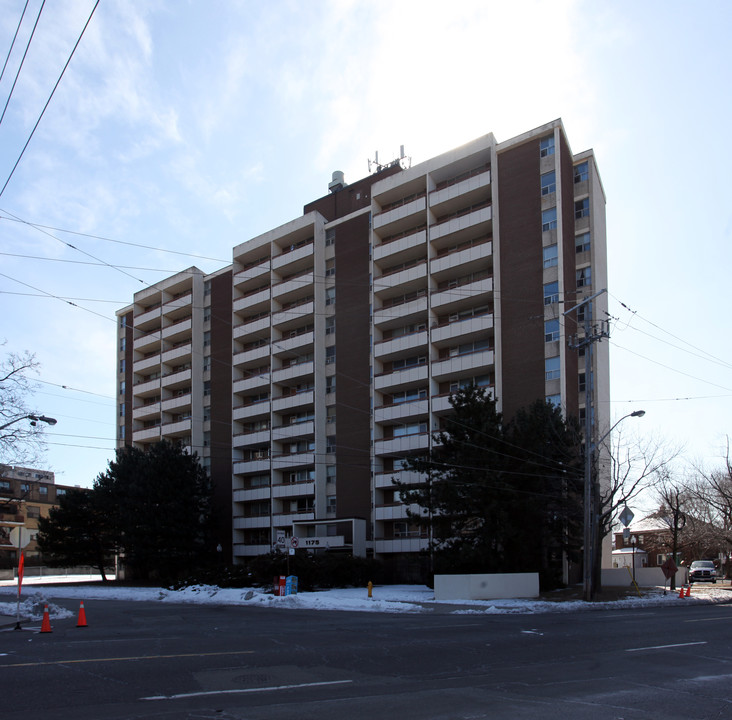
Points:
[(370, 587)]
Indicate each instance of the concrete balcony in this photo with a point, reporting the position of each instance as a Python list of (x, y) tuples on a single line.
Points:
[(247, 523), (181, 428), (407, 213), (393, 247), (293, 430), (146, 434), (252, 410), (175, 378), (255, 327), (176, 403), (292, 372), (292, 490), (404, 444), (293, 462), (151, 387), (384, 479), (397, 511), (145, 319), (178, 354), (260, 297), (402, 377), (282, 404), (287, 519), (462, 258), (459, 294), (242, 550), (145, 412), (252, 495), (470, 362), (249, 439), (401, 411), (404, 545), (297, 312), (462, 328), (295, 342), (409, 276), (400, 345), (147, 343), (179, 330), (146, 364), (251, 383), (244, 467), (448, 195), (257, 354), (252, 274), (291, 287), (292, 256), (469, 220), (384, 315), (173, 307)]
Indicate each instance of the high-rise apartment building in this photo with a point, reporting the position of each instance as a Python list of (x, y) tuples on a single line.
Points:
[(306, 371)]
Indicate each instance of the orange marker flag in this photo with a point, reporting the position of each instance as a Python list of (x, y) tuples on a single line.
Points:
[(21, 565)]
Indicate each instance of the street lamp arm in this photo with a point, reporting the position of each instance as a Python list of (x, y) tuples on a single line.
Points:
[(635, 413), (33, 418)]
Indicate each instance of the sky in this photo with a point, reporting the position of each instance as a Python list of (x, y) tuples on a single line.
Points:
[(62, 599), (180, 129)]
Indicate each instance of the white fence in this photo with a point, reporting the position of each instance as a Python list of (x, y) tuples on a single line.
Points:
[(487, 587), (644, 576)]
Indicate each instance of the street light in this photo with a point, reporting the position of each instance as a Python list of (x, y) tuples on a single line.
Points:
[(589, 544), (35, 419)]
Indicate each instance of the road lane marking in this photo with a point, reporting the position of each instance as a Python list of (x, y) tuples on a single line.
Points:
[(663, 647), (245, 690), (124, 659)]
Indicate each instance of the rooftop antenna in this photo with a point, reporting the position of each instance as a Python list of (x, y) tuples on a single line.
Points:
[(403, 161)]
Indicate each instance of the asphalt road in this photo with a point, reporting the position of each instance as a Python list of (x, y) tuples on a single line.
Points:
[(148, 660)]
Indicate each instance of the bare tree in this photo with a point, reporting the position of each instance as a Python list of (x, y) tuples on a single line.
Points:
[(712, 493), (626, 467), (21, 436), (674, 514)]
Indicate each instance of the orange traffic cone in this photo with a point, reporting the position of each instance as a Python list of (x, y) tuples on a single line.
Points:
[(82, 616), (681, 592), (46, 624), (688, 591)]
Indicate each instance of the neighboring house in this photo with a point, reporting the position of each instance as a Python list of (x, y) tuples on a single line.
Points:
[(26, 494), (306, 371), (653, 536)]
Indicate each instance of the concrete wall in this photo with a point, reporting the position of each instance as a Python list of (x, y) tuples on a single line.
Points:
[(486, 587), (645, 577)]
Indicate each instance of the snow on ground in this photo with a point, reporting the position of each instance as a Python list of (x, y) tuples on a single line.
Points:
[(389, 598)]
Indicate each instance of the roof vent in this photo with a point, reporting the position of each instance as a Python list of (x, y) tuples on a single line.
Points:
[(338, 182)]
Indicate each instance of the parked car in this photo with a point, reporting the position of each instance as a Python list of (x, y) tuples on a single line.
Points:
[(702, 571)]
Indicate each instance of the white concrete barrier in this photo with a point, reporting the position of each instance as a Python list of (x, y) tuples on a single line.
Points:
[(644, 577), (487, 587)]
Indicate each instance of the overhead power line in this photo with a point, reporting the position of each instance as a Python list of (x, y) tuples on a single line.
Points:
[(12, 44), (48, 102)]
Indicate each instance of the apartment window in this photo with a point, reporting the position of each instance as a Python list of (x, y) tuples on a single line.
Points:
[(330, 473), (555, 400), (330, 267), (42, 490), (582, 387), (206, 387), (415, 428), (330, 444), (407, 363), (330, 355), (122, 387), (24, 487), (549, 219), (330, 236), (330, 415), (549, 183), (207, 338), (546, 146), (206, 314), (33, 512), (207, 287), (122, 344), (330, 384), (581, 172), (330, 506), (330, 325), (207, 439), (206, 363), (551, 293), (551, 330), (121, 432), (60, 491), (406, 396), (5, 485), (207, 413), (551, 367), (121, 409), (584, 277), (582, 208), (329, 296), (551, 258), (582, 242)]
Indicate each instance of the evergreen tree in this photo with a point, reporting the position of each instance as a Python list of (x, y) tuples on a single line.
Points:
[(499, 497), (76, 533), (157, 502)]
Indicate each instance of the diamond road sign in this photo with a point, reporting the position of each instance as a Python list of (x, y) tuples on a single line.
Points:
[(626, 517)]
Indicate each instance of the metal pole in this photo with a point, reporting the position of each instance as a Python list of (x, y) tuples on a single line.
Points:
[(588, 553)]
